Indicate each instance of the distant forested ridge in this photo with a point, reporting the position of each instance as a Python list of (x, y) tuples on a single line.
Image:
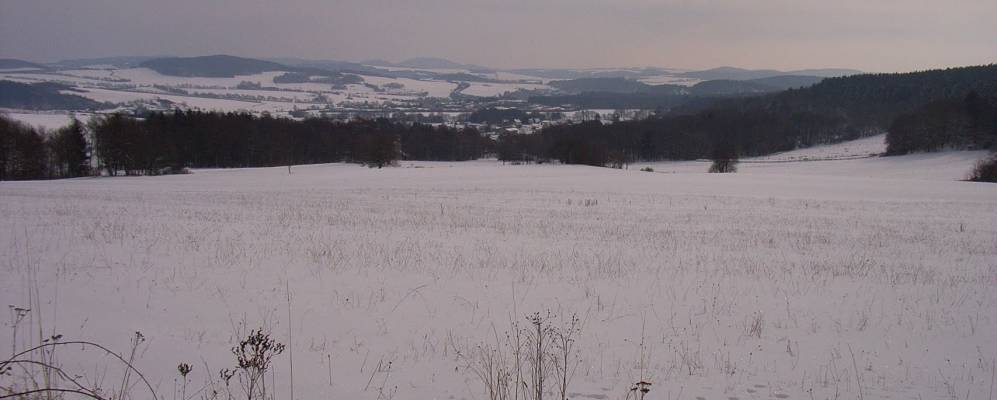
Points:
[(219, 66), (628, 93), (11, 63), (43, 96), (833, 110)]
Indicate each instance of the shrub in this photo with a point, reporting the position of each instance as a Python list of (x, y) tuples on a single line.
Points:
[(533, 362), (254, 355), (723, 166), (985, 170), (725, 156)]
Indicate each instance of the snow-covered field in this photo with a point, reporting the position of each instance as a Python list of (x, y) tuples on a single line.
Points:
[(669, 80), (121, 86), (774, 285)]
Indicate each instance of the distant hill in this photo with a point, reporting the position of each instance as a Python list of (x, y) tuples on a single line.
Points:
[(565, 74), (43, 96), (10, 63), (378, 62), (438, 63), (731, 73), (218, 66), (330, 65), (740, 74), (727, 87), (119, 62), (429, 63), (561, 74)]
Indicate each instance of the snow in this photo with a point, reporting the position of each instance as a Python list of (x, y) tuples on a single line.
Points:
[(511, 76), (202, 103), (432, 88), (45, 120), (92, 73), (864, 147), (129, 84), (495, 89), (881, 277), (669, 79)]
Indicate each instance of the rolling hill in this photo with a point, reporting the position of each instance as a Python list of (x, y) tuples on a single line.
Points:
[(11, 63)]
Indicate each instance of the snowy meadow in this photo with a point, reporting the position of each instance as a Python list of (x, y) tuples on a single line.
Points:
[(774, 283)]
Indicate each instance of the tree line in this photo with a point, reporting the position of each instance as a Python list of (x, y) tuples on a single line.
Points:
[(27, 153), (169, 142), (968, 122)]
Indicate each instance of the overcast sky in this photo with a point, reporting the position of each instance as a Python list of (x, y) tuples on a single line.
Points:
[(887, 35)]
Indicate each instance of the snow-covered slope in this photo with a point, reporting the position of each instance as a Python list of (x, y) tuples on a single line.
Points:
[(48, 121), (860, 158), (864, 147), (138, 84)]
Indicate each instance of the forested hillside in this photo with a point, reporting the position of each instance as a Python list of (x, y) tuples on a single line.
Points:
[(968, 122), (833, 110)]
